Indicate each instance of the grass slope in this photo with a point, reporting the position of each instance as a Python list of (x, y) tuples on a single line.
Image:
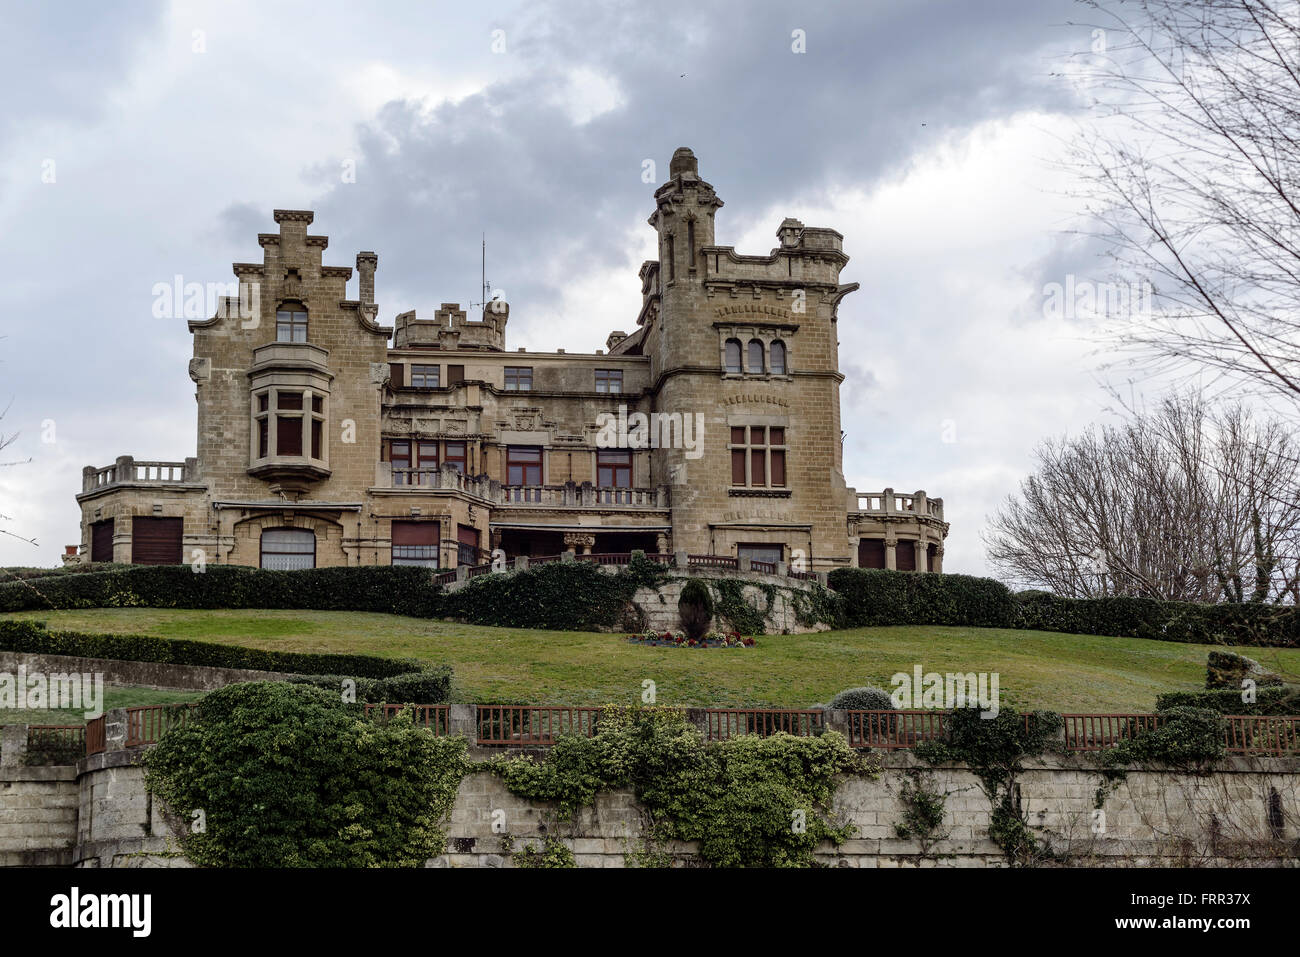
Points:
[(1062, 672)]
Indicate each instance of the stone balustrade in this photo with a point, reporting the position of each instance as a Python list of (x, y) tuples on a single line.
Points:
[(889, 502), (129, 471)]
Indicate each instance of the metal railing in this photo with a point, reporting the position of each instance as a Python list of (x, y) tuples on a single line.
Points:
[(532, 726), (1263, 734), (724, 723), (96, 739), (435, 717), (1095, 732), (56, 737), (148, 723)]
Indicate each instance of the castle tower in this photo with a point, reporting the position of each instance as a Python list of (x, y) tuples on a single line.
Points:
[(749, 343)]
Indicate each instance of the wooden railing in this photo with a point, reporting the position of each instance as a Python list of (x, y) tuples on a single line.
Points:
[(147, 724), (529, 726), (435, 717), (724, 723)]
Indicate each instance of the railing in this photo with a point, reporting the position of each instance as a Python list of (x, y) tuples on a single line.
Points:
[(767, 568), (56, 738), (147, 724), (889, 502), (1095, 732), (891, 730), (521, 494), (606, 558), (435, 717), (96, 738), (127, 470), (528, 726), (711, 561), (420, 476), (1263, 734), (444, 578), (724, 723)]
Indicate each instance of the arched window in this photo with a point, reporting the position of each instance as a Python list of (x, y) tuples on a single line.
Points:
[(733, 355), (776, 357), (755, 363), (285, 549), (291, 323)]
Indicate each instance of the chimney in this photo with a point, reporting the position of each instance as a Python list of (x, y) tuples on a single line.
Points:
[(366, 264)]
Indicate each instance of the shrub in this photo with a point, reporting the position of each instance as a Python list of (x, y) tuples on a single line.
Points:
[(695, 607), (1268, 701), (1185, 738), (1223, 669), (432, 686), (287, 776), (32, 637), (879, 597), (863, 699)]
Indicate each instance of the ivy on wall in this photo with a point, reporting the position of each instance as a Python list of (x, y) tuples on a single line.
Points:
[(749, 801)]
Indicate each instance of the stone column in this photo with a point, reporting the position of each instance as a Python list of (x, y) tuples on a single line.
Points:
[(938, 558), (13, 744), (891, 559), (661, 543), (575, 540), (919, 545)]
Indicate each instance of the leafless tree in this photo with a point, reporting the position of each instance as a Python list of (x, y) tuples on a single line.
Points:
[(1193, 174), (1183, 503)]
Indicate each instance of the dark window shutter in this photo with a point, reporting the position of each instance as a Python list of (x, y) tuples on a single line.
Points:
[(397, 375), (871, 553), (101, 541), (455, 375), (415, 533), (155, 541), (905, 556)]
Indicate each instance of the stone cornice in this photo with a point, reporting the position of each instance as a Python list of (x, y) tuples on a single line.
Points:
[(293, 215)]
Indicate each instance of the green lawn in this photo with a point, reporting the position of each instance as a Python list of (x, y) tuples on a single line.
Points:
[(1037, 669)]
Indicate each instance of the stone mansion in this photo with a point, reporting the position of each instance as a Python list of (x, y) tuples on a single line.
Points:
[(326, 438)]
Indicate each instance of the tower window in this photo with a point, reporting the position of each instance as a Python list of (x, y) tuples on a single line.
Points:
[(732, 352), (776, 357), (758, 456), (424, 377), (755, 363), (291, 324)]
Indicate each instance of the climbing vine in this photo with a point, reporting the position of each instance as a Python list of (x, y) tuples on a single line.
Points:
[(993, 748), (749, 801), (733, 607)]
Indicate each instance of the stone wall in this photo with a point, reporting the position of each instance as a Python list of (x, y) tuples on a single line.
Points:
[(659, 604), (160, 676), (98, 814)]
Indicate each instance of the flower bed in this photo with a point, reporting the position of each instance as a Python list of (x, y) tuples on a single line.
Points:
[(678, 639)]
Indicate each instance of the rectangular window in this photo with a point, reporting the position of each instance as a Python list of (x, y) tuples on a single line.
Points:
[(519, 378), (399, 457), (316, 438), (769, 554), (455, 375), (288, 400), (523, 465), (262, 401), (467, 551), (290, 325), (758, 456), (263, 433), (456, 456), (415, 543), (426, 463), (288, 434), (614, 469), (609, 380), (424, 377), (396, 374), (317, 404)]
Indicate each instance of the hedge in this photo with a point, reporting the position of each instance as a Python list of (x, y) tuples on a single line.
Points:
[(880, 597), (397, 590), (1268, 701), (33, 637)]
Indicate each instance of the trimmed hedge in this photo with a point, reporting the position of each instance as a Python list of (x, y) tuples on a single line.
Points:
[(396, 590), (880, 597), (1268, 701), (33, 637)]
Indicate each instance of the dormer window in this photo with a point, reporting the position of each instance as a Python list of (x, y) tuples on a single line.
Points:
[(291, 323)]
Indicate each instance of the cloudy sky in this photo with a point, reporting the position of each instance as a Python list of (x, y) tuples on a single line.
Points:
[(141, 141)]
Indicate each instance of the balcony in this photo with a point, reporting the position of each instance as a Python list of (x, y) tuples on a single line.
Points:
[(889, 503), (126, 471), (492, 492)]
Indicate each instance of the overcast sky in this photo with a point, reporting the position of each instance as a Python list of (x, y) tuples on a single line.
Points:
[(141, 141)]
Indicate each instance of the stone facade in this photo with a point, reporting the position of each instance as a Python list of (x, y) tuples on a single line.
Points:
[(429, 442)]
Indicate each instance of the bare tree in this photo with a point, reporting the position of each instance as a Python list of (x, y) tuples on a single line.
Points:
[(1181, 503), (1193, 173)]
